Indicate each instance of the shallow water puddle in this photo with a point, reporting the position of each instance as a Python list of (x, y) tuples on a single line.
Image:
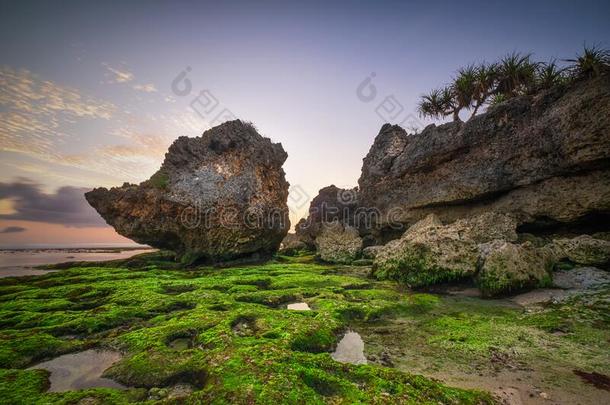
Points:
[(181, 344), (80, 370), (350, 349), (299, 306)]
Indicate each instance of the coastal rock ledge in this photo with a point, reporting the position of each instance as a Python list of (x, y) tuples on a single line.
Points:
[(218, 197)]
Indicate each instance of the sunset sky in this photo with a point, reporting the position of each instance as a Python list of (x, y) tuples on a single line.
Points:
[(86, 95)]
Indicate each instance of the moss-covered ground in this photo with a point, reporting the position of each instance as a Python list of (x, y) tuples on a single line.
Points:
[(246, 347)]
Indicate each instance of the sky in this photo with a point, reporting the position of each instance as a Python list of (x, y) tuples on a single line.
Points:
[(93, 93)]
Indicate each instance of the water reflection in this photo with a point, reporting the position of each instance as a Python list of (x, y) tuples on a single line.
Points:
[(299, 306), (350, 349), (80, 370)]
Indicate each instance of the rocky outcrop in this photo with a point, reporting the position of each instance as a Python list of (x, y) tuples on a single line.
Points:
[(507, 267), (220, 196), (370, 252), (583, 249), (430, 252), (478, 248), (292, 245), (338, 243), (331, 204), (545, 159)]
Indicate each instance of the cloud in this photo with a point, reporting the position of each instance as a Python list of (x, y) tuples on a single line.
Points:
[(147, 88), (118, 75), (33, 111), (67, 206), (13, 229)]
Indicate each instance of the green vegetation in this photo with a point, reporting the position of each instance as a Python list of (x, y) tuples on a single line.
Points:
[(514, 75), (470, 337), (159, 180), (244, 346)]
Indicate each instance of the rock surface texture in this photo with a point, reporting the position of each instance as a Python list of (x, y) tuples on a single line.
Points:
[(507, 267), (292, 245), (331, 204), (545, 159), (338, 243), (583, 249), (479, 248), (217, 197)]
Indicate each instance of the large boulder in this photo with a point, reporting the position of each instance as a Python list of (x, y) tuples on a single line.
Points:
[(583, 249), (331, 204), (507, 267), (220, 196), (292, 245), (370, 252), (430, 252), (479, 247), (543, 158), (338, 243)]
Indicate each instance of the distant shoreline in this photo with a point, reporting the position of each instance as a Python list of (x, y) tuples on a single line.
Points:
[(92, 248)]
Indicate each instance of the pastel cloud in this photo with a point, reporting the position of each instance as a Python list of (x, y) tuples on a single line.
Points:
[(119, 75), (34, 110), (147, 88)]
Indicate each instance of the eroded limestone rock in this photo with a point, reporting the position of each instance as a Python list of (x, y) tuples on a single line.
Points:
[(217, 197)]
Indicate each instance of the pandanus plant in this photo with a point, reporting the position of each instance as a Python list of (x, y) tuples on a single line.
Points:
[(438, 104), (514, 75), (593, 62)]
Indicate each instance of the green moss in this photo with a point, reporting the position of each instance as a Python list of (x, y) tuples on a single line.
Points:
[(159, 180), (280, 356), (415, 268)]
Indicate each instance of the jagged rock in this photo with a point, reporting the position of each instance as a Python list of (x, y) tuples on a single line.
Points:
[(510, 267), (427, 254), (217, 197), (543, 158), (338, 243), (291, 245), (430, 252), (331, 204), (583, 249), (581, 278), (488, 226), (370, 252)]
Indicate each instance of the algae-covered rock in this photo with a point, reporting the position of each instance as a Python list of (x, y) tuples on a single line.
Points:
[(370, 252), (510, 267), (217, 197), (583, 249), (430, 252), (427, 253), (338, 243)]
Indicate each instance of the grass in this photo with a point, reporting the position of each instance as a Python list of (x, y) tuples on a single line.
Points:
[(245, 347)]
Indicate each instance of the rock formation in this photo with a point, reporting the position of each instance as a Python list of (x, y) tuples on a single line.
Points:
[(430, 252), (545, 159), (506, 267), (217, 197), (338, 243), (583, 249), (292, 245), (331, 204)]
